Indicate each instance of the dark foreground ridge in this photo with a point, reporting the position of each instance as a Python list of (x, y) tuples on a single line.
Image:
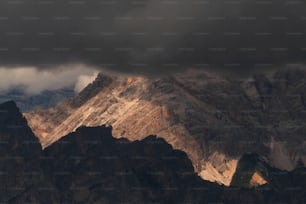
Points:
[(90, 166)]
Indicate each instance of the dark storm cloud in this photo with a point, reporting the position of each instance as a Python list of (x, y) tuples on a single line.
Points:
[(152, 36)]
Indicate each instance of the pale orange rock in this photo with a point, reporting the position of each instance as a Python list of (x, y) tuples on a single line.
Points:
[(257, 180)]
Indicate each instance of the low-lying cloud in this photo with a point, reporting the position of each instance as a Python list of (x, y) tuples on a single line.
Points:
[(83, 81), (33, 81)]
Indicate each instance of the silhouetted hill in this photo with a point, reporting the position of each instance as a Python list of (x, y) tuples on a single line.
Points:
[(20, 172), (90, 165)]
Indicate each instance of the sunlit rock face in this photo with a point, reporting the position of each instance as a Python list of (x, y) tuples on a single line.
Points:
[(214, 119), (257, 180)]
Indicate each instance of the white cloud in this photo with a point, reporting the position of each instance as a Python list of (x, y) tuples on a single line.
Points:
[(35, 81), (83, 81)]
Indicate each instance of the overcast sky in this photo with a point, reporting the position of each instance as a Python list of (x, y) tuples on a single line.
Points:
[(153, 36)]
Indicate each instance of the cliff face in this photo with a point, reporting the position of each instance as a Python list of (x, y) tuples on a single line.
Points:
[(91, 166), (215, 120)]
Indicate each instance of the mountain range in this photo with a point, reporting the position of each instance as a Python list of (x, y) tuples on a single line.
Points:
[(89, 165), (215, 119)]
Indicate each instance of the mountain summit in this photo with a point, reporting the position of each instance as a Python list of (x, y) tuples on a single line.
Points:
[(214, 119)]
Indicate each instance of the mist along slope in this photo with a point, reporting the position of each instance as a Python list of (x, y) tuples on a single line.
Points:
[(213, 119), (44, 99), (90, 166)]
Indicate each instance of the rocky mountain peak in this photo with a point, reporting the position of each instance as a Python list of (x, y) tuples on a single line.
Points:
[(91, 90), (214, 119)]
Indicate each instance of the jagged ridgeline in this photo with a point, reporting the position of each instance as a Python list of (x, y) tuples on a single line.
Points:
[(91, 166), (213, 118)]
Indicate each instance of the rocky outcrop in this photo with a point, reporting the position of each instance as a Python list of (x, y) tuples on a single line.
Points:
[(214, 119), (257, 180)]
